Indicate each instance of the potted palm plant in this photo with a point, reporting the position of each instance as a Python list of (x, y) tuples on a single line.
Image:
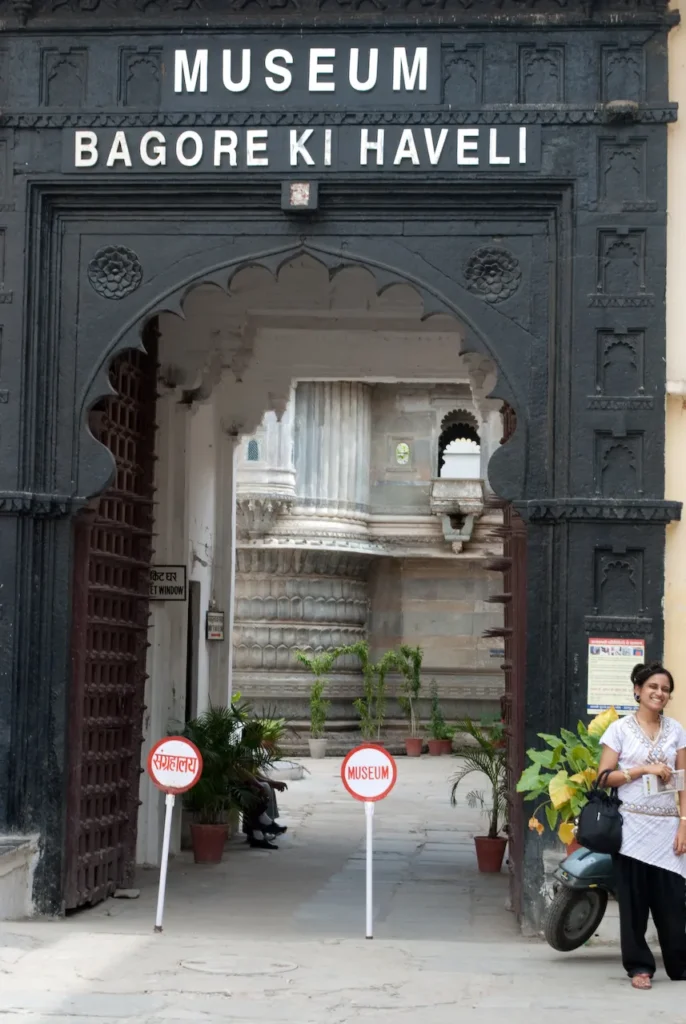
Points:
[(488, 758), (408, 661), (213, 732), (560, 775), (231, 742), (319, 665)]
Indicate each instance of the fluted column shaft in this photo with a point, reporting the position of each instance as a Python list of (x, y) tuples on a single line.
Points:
[(333, 426)]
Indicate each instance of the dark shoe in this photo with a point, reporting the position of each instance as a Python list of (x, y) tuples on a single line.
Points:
[(274, 829), (261, 844)]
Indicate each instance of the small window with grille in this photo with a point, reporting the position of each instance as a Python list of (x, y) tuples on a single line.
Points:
[(253, 453)]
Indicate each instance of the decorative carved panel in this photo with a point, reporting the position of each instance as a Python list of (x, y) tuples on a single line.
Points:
[(463, 76), (139, 77), (621, 270), (623, 74), (619, 465), (541, 74), (618, 583), (64, 78), (620, 364), (622, 173)]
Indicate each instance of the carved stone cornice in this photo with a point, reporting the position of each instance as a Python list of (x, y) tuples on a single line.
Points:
[(257, 513), (615, 625), (511, 114), (612, 510), (96, 14), (44, 506)]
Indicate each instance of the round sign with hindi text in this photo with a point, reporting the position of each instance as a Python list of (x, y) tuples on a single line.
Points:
[(175, 764), (369, 772)]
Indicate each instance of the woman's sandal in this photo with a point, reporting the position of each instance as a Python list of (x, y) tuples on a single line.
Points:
[(642, 981)]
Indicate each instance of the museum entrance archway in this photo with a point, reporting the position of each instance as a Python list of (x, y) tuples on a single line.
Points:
[(306, 517)]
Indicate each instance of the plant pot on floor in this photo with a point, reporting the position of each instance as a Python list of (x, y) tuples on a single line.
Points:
[(317, 747), (208, 842), (413, 746), (446, 746), (435, 748), (490, 853)]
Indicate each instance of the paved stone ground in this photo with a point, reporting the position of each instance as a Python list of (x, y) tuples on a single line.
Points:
[(279, 936)]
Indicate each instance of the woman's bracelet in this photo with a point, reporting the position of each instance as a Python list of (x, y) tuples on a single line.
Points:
[(627, 775)]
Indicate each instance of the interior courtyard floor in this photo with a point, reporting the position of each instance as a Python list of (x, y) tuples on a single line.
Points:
[(280, 935)]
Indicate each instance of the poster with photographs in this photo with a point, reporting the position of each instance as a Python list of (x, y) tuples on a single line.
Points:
[(609, 673)]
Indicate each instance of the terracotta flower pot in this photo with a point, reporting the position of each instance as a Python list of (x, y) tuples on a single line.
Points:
[(208, 842), (435, 748), (446, 746), (490, 853), (413, 746)]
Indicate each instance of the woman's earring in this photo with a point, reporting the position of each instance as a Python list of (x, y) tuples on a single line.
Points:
[(637, 697)]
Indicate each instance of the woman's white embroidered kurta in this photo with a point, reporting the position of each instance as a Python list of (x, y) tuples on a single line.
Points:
[(650, 823)]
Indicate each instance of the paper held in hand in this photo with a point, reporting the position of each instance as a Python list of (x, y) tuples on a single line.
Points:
[(653, 786)]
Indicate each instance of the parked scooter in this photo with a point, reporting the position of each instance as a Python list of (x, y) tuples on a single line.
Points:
[(583, 883)]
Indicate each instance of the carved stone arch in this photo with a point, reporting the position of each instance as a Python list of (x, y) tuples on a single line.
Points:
[(436, 301)]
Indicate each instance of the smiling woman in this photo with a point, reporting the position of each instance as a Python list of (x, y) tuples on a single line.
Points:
[(651, 866)]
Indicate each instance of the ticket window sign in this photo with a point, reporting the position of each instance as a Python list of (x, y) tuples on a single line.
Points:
[(214, 625)]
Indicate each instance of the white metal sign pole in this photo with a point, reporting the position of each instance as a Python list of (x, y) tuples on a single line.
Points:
[(169, 807), (369, 813)]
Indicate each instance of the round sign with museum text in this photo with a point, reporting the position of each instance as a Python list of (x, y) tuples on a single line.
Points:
[(369, 772), (175, 764)]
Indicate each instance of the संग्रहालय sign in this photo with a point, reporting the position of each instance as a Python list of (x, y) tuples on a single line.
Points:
[(329, 81)]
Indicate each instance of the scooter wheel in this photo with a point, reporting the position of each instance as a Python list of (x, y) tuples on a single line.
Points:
[(573, 917)]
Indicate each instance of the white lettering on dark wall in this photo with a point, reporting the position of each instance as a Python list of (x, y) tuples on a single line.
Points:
[(345, 148), (328, 68)]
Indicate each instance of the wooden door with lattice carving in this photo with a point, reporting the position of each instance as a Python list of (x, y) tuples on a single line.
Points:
[(112, 552)]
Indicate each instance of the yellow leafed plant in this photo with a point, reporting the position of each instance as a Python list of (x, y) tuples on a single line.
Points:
[(561, 774), (601, 722)]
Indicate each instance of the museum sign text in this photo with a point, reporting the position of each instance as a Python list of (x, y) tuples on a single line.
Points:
[(229, 108)]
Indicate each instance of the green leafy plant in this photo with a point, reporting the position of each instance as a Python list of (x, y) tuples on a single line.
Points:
[(408, 661), (319, 665), (438, 726), (371, 706), (230, 740), (562, 773), (272, 729), (487, 757)]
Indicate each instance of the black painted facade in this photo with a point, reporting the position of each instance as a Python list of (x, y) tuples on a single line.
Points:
[(556, 267)]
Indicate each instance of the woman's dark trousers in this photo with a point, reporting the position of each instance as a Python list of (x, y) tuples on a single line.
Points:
[(642, 889)]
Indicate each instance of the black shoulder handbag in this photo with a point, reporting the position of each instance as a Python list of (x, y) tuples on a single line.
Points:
[(599, 825)]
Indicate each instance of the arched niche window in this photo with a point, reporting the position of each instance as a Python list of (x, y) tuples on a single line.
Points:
[(459, 447), (253, 452)]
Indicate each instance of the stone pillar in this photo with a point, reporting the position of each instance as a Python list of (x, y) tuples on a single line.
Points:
[(201, 510), (333, 431), (165, 692), (224, 551), (291, 600)]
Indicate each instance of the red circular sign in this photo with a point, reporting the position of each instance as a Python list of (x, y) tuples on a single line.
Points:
[(369, 772), (175, 764)]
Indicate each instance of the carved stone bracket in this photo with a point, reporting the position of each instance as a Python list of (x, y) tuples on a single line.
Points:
[(557, 510), (459, 504), (256, 513)]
